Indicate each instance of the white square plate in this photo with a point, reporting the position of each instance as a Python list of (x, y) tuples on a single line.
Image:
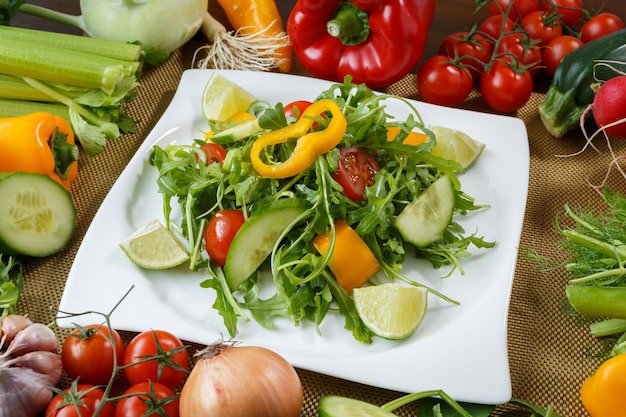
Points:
[(460, 349)]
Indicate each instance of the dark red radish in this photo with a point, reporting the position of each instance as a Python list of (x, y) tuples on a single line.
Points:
[(609, 107)]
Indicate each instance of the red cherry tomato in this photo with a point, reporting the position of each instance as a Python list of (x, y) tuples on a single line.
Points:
[(220, 232), (542, 26), (519, 8), (519, 47), (438, 71), (90, 397), (161, 399), (556, 50), (600, 25), (504, 88), (472, 50), (493, 26), (214, 152), (295, 108), (88, 353), (570, 12), (172, 356), (355, 172)]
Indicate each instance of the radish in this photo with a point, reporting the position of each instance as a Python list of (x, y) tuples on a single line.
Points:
[(609, 107)]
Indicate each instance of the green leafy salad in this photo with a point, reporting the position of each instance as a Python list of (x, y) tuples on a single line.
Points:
[(284, 216)]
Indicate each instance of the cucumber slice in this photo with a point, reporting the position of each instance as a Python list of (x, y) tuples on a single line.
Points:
[(256, 238), (337, 406), (424, 220), (37, 215), (237, 133)]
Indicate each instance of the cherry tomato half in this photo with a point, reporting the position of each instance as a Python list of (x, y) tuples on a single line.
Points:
[(542, 26), (88, 353), (355, 171), (214, 152), (160, 399), (90, 397), (220, 232), (570, 12), (556, 50), (169, 365), (504, 88), (438, 71), (472, 50), (295, 108), (600, 25)]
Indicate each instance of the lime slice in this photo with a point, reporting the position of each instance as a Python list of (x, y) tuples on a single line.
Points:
[(154, 247), (223, 98), (456, 146), (392, 310)]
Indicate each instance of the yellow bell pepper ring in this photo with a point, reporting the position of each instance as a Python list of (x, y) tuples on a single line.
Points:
[(352, 261), (604, 393), (39, 143), (309, 145)]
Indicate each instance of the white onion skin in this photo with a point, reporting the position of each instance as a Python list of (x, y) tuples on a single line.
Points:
[(241, 381)]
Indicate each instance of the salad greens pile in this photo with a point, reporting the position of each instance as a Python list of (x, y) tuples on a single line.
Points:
[(305, 287)]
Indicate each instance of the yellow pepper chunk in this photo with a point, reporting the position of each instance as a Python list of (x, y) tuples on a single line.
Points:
[(352, 262), (309, 145), (604, 393), (413, 138)]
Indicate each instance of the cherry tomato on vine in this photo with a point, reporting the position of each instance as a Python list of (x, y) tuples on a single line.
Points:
[(441, 81), (355, 172), (570, 12), (519, 8), (493, 26), (220, 232), (600, 25), (521, 49), (472, 50), (214, 152), (542, 26), (90, 397), (160, 401), (295, 108), (88, 353), (504, 88), (556, 50), (170, 362)]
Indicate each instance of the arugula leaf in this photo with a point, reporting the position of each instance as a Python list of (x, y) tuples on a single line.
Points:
[(11, 284)]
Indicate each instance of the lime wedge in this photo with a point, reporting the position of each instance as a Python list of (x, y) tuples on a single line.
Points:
[(456, 146), (222, 98), (392, 310), (154, 247)]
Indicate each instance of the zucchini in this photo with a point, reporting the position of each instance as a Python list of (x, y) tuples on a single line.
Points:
[(425, 219), (337, 406), (572, 89), (37, 215), (257, 237)]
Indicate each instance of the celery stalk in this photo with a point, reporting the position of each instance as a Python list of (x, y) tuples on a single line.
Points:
[(598, 301), (103, 47), (14, 108), (608, 327), (58, 66)]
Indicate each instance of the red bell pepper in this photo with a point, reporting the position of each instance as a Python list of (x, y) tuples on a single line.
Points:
[(377, 42)]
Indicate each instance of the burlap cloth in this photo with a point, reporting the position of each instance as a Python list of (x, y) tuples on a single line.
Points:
[(546, 349)]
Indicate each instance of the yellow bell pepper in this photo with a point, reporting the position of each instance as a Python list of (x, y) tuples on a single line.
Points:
[(39, 143), (352, 262), (604, 393), (309, 145), (413, 138)]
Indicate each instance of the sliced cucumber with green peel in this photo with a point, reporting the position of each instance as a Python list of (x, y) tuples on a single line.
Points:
[(256, 239), (424, 220), (336, 406), (237, 132), (37, 215)]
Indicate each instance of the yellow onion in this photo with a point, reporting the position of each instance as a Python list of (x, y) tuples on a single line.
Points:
[(241, 381)]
